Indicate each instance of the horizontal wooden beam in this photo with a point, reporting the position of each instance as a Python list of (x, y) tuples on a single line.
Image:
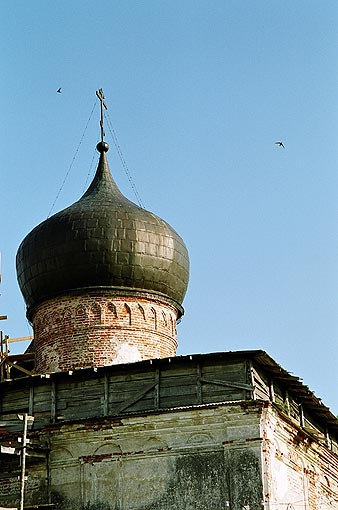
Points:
[(21, 357), (19, 339)]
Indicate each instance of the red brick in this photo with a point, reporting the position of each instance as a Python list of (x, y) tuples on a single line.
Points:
[(76, 331)]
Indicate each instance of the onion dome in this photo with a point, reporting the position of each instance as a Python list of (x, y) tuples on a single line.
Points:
[(102, 241)]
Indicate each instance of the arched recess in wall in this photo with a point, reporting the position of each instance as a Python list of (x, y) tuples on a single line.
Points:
[(277, 449), (325, 481), (37, 327), (111, 311), (81, 315), (67, 318), (65, 471), (43, 323), (154, 444), (127, 312), (200, 438), (56, 319), (95, 313), (172, 327), (154, 316), (108, 449), (141, 310), (60, 455)]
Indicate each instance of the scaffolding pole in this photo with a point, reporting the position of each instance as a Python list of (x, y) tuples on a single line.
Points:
[(25, 418)]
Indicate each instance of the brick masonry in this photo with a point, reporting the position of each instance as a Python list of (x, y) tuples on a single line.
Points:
[(96, 330)]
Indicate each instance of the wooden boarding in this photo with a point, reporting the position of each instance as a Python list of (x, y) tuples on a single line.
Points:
[(156, 385), (113, 391)]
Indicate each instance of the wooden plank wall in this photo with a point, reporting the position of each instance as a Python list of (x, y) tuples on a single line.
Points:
[(144, 387), (113, 391), (267, 388)]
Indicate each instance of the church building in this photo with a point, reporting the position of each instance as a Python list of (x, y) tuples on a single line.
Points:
[(100, 413)]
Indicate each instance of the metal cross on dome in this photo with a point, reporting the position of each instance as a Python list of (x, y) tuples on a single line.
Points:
[(100, 95)]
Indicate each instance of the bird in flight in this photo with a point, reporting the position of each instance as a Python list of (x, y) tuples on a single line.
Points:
[(280, 144), (59, 90)]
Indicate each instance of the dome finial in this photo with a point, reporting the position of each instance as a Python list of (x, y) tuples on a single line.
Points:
[(102, 146)]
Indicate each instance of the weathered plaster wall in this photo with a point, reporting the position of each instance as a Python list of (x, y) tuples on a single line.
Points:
[(297, 470), (234, 456), (187, 460)]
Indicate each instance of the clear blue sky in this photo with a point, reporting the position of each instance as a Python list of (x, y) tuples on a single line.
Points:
[(198, 92)]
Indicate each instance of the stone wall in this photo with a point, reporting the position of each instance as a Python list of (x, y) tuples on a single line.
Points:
[(229, 456), (298, 470), (183, 460)]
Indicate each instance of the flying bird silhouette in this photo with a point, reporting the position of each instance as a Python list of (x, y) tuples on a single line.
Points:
[(59, 90), (280, 144)]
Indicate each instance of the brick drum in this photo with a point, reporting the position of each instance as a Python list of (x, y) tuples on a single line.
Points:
[(96, 330)]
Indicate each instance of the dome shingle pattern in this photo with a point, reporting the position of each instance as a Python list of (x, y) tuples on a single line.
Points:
[(102, 241)]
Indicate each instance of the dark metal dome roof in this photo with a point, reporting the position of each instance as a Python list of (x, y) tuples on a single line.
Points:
[(102, 241)]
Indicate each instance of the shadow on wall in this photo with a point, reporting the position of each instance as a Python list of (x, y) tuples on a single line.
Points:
[(213, 481)]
